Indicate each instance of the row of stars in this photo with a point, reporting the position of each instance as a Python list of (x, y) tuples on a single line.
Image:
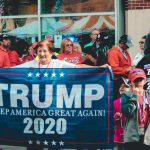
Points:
[(53, 143), (38, 74)]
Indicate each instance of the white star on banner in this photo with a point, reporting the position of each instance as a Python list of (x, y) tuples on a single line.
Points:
[(45, 74), (53, 142), (53, 74), (38, 74), (61, 143), (30, 142), (61, 74), (38, 142), (45, 142), (30, 74)]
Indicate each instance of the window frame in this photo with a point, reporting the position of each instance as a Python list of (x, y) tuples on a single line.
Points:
[(118, 14)]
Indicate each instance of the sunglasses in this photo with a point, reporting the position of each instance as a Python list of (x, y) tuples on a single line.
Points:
[(141, 42), (69, 45)]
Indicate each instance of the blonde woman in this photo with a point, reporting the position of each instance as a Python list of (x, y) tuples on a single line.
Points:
[(77, 47), (68, 54)]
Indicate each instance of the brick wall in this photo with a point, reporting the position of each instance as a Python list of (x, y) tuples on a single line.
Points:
[(137, 4)]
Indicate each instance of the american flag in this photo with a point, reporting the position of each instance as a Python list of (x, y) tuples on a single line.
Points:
[(2, 7)]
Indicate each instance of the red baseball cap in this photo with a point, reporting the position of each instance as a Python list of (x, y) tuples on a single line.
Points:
[(136, 73), (34, 44)]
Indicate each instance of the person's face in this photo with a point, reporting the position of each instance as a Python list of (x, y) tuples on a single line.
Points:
[(124, 46), (6, 43), (141, 43), (75, 48), (94, 35), (137, 87), (68, 47), (123, 88), (31, 51), (44, 55)]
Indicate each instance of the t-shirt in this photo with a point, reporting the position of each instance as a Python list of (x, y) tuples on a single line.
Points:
[(14, 58), (74, 57), (28, 58), (55, 63), (137, 58), (4, 59)]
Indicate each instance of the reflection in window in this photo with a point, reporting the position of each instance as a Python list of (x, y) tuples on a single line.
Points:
[(18, 7), (76, 6), (21, 27), (77, 27)]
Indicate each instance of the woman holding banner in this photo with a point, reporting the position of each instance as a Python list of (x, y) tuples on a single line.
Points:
[(44, 50)]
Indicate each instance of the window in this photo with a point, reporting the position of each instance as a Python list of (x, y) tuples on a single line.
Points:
[(67, 18), (77, 27), (18, 7), (76, 6)]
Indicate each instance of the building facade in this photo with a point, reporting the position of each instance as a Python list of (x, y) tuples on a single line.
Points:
[(34, 20), (137, 21)]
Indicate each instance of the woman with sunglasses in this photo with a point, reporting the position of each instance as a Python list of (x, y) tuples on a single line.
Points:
[(68, 54), (140, 55)]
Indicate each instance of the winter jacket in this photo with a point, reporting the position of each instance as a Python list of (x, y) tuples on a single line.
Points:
[(129, 109), (118, 62)]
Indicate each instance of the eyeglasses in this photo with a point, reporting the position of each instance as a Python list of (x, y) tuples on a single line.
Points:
[(69, 45), (141, 42)]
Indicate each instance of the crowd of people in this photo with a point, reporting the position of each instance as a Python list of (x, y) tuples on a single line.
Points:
[(131, 78)]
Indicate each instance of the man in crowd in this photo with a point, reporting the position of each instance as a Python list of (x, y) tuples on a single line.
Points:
[(120, 60), (6, 46), (98, 51), (4, 61), (93, 36)]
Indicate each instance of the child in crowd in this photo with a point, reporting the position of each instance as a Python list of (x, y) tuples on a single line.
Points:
[(119, 119), (135, 108)]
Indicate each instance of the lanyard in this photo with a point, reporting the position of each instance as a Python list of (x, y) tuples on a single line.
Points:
[(141, 108)]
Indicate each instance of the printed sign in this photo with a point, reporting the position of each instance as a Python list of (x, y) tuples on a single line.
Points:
[(56, 108)]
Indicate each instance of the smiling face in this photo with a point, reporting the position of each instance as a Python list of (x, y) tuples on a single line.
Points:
[(44, 55), (44, 52)]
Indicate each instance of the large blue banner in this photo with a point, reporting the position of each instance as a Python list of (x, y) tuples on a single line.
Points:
[(56, 108)]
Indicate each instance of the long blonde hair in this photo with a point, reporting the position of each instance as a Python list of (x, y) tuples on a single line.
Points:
[(63, 43), (78, 47)]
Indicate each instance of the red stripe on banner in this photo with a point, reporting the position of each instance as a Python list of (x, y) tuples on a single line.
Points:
[(13, 74)]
